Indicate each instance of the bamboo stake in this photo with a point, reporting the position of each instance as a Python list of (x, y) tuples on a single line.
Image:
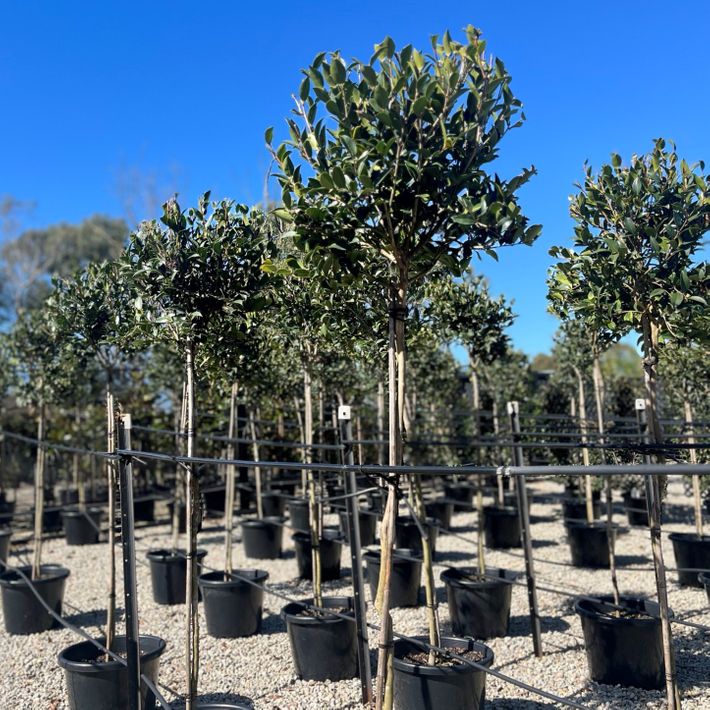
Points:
[(111, 479), (39, 492), (230, 480), (314, 519), (697, 498), (257, 469), (585, 451)]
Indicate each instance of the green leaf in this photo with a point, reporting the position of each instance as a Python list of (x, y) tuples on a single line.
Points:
[(269, 135)]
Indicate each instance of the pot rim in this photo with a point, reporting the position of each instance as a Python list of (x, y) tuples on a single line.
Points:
[(505, 578), (404, 554), (439, 671), (594, 525), (688, 537), (112, 665), (581, 604), (264, 522), (74, 513), (51, 573), (500, 510), (704, 578), (166, 555), (330, 534), (257, 575), (290, 615)]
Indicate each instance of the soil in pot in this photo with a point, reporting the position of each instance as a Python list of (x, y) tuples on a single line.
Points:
[(323, 646), (81, 527), (501, 527), (298, 513), (168, 570), (461, 494), (623, 647), (368, 526), (452, 685), (330, 546), (692, 555), (408, 536), (441, 510), (263, 538), (588, 543), (5, 535), (23, 612), (479, 606), (93, 682), (233, 604), (273, 504), (406, 576), (636, 510)]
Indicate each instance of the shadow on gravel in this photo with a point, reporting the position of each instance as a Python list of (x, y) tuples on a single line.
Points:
[(272, 624), (517, 704), (216, 698), (520, 625), (92, 617), (454, 556), (544, 543), (624, 560)]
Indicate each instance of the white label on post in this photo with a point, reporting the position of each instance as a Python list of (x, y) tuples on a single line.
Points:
[(640, 405), (344, 411)]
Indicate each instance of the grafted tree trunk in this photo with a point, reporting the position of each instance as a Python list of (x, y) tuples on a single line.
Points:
[(39, 490)]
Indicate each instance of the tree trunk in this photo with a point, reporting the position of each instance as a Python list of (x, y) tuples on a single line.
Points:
[(585, 451), (39, 491), (111, 481), (697, 498), (192, 640), (302, 433), (650, 364), (178, 493), (257, 469), (230, 480), (314, 518), (380, 422)]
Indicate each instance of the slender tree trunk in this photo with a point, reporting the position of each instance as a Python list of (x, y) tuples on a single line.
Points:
[(111, 482), (610, 535), (178, 494), (358, 434), (257, 469), (39, 490), (650, 364), (697, 499), (585, 451), (302, 433), (230, 480), (380, 421), (192, 640)]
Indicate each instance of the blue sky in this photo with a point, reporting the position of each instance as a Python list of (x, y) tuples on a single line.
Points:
[(181, 92)]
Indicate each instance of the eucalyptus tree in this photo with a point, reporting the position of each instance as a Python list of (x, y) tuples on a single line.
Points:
[(197, 277), (636, 265), (46, 366), (391, 157)]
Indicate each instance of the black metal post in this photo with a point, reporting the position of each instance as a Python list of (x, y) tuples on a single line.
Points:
[(125, 482), (363, 650), (526, 537)]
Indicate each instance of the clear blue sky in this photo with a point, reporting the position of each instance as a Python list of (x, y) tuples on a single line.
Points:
[(184, 90)]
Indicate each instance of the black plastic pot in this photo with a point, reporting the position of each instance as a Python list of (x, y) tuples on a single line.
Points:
[(501, 527), (51, 519), (273, 504), (298, 512), (622, 651), (285, 486), (233, 606), (704, 579), (692, 554), (339, 503), (406, 576), (144, 509), (182, 515), (322, 647), (510, 499), (103, 685), (376, 501), (588, 543), (246, 495), (574, 509), (262, 538), (82, 527), (23, 612), (441, 510), (461, 494), (5, 536), (69, 496), (214, 498), (408, 535), (7, 511), (368, 526), (479, 607), (168, 571), (454, 687), (636, 510), (330, 547)]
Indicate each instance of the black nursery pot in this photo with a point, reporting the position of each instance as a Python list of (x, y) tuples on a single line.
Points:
[(144, 509), (330, 546), (82, 527), (408, 535), (441, 510), (588, 543), (461, 494), (103, 685), (273, 504), (368, 526), (233, 604), (501, 527), (406, 576), (479, 607), (51, 519), (455, 687), (636, 510), (298, 512), (23, 612), (622, 651), (511, 500), (323, 647), (704, 579), (215, 497), (692, 554), (376, 501), (168, 571), (574, 509), (263, 538), (5, 536)]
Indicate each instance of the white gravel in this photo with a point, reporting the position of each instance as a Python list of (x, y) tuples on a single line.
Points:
[(259, 668)]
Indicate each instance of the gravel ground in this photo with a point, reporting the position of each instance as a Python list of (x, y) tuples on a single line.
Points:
[(259, 669)]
